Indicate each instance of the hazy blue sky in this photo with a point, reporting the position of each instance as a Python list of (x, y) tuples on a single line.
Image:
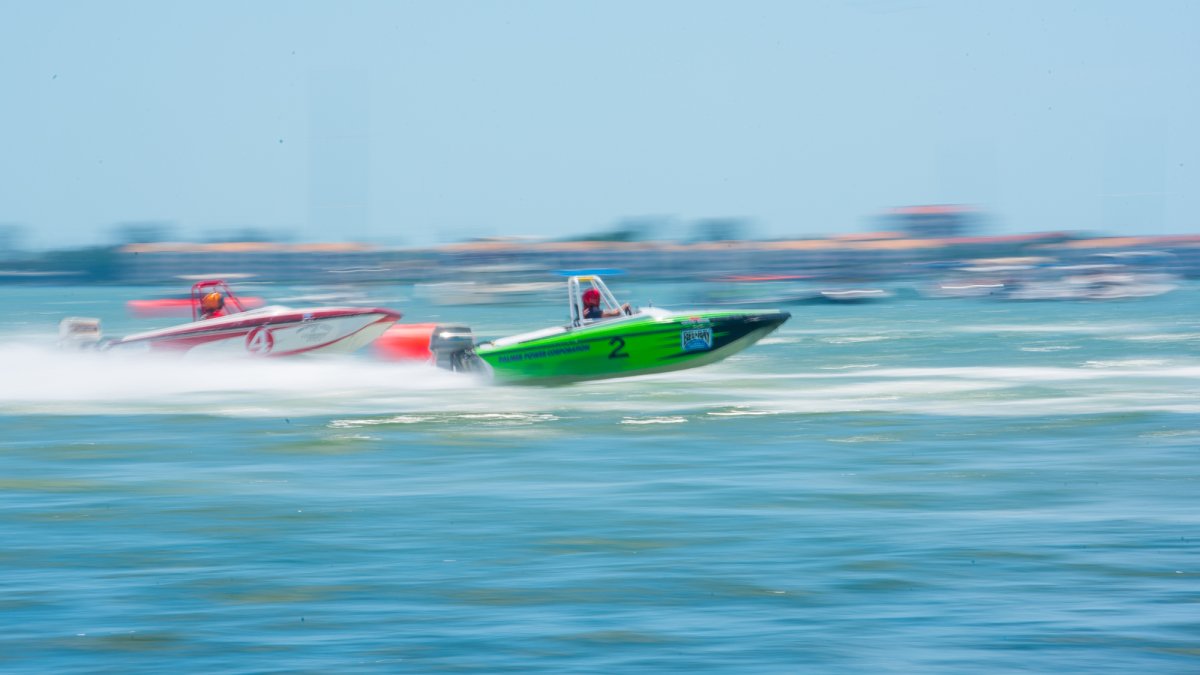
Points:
[(416, 122)]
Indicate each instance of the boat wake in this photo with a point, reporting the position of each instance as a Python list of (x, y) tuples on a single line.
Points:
[(39, 380)]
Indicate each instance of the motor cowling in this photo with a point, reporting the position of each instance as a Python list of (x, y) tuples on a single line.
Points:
[(76, 332), (453, 348)]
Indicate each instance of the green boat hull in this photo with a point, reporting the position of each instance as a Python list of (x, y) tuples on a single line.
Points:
[(653, 342)]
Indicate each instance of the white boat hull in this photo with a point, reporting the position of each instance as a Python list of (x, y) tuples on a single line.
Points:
[(269, 332)]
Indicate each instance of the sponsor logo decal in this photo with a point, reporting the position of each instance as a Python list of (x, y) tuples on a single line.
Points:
[(314, 333), (696, 339), (543, 353)]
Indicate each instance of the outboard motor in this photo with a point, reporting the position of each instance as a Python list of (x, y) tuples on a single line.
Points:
[(453, 348), (77, 332), (448, 346)]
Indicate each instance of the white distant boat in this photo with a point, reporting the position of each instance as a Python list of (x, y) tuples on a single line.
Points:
[(486, 293), (1119, 285), (1034, 279), (1092, 285), (773, 290), (841, 295)]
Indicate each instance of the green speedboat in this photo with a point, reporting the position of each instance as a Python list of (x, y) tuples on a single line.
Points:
[(634, 342)]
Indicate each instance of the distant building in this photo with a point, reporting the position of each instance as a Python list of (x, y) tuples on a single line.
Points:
[(937, 221)]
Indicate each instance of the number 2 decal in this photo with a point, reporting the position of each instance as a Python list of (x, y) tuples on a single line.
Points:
[(616, 353)]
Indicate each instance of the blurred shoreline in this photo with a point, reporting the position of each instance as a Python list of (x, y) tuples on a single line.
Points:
[(852, 259)]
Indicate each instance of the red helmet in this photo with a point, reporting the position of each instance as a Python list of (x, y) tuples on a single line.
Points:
[(591, 297)]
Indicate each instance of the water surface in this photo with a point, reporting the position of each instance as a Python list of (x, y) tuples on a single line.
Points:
[(912, 486)]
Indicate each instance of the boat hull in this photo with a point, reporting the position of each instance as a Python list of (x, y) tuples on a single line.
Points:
[(270, 332), (637, 345)]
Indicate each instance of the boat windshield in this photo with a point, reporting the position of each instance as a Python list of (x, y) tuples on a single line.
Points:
[(200, 289), (577, 286)]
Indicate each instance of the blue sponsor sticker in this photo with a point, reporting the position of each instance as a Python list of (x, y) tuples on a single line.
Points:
[(696, 339)]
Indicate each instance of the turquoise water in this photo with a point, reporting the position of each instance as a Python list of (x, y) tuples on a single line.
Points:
[(914, 486)]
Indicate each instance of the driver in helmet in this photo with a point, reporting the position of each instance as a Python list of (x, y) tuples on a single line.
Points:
[(212, 305), (591, 306)]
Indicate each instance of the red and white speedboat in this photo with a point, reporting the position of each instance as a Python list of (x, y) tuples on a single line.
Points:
[(273, 330)]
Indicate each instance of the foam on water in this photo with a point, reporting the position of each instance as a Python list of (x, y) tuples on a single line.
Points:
[(655, 420), (1168, 337), (46, 381), (1087, 328)]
